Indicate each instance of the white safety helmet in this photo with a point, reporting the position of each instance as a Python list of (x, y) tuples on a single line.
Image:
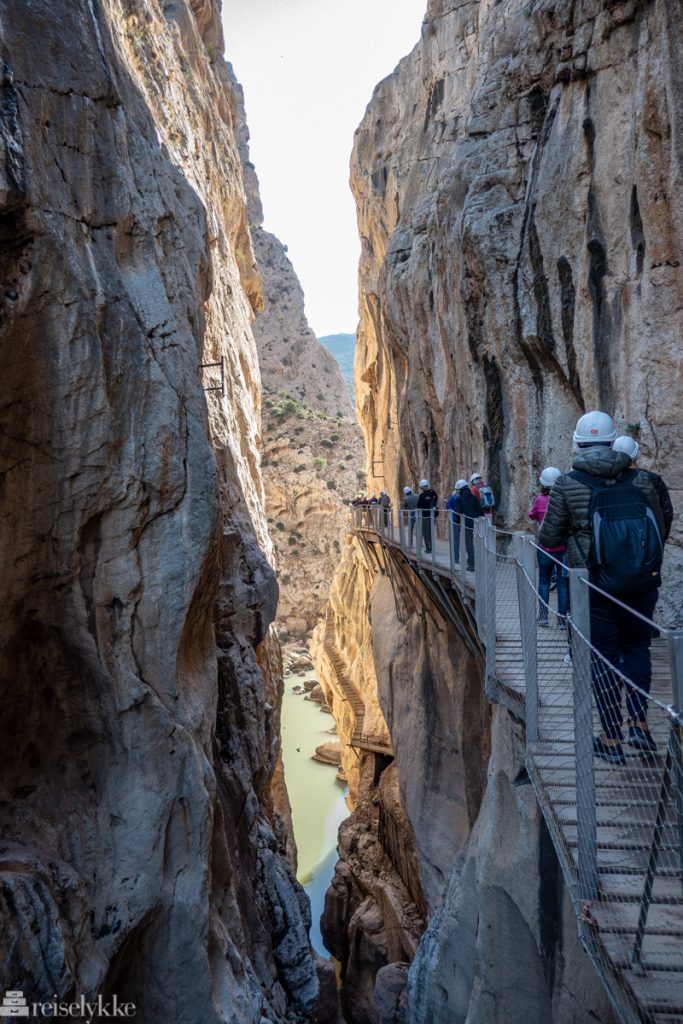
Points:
[(475, 477), (424, 484), (460, 484), (629, 445), (594, 428), (407, 490), (549, 476)]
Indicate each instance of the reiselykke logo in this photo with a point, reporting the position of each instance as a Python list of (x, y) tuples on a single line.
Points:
[(82, 1010), (14, 1005)]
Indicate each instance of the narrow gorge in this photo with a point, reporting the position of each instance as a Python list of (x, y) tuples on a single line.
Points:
[(176, 453), (518, 184)]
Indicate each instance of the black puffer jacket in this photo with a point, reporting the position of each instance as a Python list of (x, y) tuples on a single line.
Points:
[(567, 517)]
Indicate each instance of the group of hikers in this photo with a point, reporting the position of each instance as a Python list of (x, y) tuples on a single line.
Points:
[(606, 514)]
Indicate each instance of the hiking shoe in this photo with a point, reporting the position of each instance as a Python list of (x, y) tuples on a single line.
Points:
[(641, 739), (561, 621), (543, 623), (612, 754), (567, 658)]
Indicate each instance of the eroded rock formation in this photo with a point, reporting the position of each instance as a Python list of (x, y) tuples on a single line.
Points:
[(518, 188), (141, 852)]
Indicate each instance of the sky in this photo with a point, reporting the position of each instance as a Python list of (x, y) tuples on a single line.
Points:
[(308, 69)]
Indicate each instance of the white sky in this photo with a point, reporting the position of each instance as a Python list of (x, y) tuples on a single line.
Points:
[(308, 68)]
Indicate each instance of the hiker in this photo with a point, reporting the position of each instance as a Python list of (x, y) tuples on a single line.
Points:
[(464, 509), (484, 495), (385, 503), (610, 518), (629, 445), (427, 513), (548, 558), (409, 506)]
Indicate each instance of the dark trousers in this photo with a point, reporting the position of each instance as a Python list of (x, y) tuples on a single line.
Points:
[(469, 542), (624, 640), (426, 516), (545, 572)]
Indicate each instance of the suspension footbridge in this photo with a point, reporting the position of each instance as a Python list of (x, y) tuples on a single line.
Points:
[(617, 829)]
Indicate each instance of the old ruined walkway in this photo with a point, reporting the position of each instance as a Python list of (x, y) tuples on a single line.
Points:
[(617, 830)]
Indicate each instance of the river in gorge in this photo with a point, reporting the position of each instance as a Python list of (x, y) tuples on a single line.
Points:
[(318, 800)]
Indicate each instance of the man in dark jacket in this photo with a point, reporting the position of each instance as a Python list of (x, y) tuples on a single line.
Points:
[(426, 511), (621, 638), (464, 508)]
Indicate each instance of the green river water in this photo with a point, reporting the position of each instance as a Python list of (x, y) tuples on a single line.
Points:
[(317, 799)]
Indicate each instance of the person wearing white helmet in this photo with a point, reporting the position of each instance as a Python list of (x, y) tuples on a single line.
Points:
[(548, 558), (602, 498), (427, 512), (463, 509), (594, 429), (484, 495), (408, 511), (628, 444)]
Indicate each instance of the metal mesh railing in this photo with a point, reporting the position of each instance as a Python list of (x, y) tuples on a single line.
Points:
[(603, 745)]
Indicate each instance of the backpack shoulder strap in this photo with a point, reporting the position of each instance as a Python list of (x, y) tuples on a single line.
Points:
[(586, 478)]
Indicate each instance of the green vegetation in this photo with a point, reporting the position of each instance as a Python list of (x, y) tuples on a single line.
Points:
[(332, 484), (327, 443), (292, 539), (279, 526), (320, 464)]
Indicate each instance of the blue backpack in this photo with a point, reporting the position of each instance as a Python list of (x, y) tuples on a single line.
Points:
[(486, 497), (626, 547)]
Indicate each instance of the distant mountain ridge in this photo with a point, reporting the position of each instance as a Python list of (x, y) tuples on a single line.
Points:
[(342, 347)]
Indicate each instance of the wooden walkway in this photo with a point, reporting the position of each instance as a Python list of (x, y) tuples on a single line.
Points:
[(626, 799)]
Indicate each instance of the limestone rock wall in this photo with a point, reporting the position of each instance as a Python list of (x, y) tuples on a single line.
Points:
[(519, 204), (141, 851)]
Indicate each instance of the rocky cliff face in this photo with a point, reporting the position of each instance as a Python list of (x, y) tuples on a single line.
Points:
[(518, 188), (311, 445), (141, 853)]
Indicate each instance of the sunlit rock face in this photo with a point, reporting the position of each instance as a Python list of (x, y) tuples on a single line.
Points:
[(140, 852), (518, 189)]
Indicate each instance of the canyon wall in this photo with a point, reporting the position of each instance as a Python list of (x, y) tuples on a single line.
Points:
[(142, 852), (518, 183)]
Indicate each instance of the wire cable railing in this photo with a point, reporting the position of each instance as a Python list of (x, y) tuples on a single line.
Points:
[(603, 748)]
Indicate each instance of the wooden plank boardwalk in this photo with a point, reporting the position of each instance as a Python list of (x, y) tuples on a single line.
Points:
[(649, 988)]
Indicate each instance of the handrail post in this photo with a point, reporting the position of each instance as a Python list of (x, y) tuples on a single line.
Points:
[(418, 533), (579, 601), (432, 518), (490, 567), (479, 587), (676, 738), (526, 599), (463, 552), (451, 542), (401, 529)]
